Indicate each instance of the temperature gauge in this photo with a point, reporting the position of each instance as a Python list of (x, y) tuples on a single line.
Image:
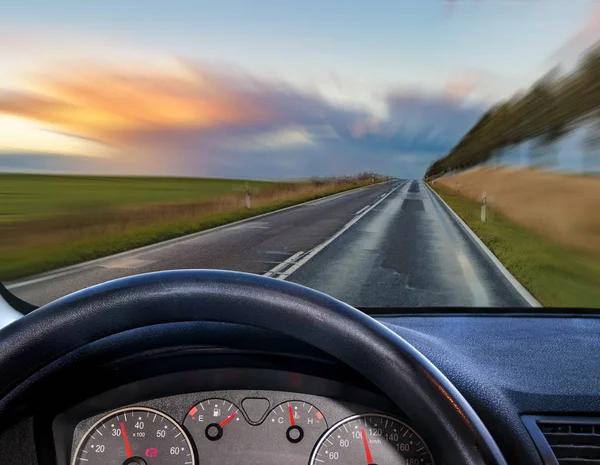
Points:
[(299, 422)]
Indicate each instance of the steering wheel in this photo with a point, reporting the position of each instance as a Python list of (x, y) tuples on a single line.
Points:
[(33, 343)]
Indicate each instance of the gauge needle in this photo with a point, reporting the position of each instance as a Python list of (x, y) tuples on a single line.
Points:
[(228, 419), (126, 441), (367, 449), (292, 422)]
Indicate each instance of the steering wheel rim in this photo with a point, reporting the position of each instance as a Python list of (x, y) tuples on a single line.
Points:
[(388, 361)]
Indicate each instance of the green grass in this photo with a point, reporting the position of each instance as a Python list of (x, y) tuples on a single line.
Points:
[(55, 221), (30, 197), (556, 275)]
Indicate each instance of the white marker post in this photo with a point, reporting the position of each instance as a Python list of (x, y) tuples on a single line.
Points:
[(483, 207), (248, 200)]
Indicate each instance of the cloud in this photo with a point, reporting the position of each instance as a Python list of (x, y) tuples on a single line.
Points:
[(433, 119), (109, 104), (105, 103), (478, 86), (459, 88), (584, 38), (200, 120)]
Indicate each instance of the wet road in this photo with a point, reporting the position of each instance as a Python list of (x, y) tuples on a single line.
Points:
[(388, 245)]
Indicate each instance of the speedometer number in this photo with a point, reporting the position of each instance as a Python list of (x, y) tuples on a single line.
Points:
[(371, 439)]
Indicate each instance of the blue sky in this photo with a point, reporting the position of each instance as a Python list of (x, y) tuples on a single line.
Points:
[(261, 88)]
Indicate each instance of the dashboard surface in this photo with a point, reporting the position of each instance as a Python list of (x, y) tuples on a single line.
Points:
[(512, 365)]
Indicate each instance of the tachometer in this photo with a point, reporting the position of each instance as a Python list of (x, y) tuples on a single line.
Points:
[(369, 440), (134, 436)]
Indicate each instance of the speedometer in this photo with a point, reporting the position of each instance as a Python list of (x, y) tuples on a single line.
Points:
[(134, 436), (371, 439)]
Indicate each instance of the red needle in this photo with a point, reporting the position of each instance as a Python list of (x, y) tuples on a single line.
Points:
[(126, 440), (366, 444), (292, 422), (228, 419)]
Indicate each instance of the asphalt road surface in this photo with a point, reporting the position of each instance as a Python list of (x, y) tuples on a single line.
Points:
[(388, 245)]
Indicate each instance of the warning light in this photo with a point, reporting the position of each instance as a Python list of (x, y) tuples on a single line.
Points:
[(151, 452)]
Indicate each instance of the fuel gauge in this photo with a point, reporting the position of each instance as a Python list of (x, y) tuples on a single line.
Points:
[(215, 423), (297, 421)]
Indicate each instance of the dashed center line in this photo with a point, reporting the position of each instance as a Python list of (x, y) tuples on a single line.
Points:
[(299, 259), (362, 210), (277, 270)]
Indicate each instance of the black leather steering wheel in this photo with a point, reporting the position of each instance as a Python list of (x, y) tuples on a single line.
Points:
[(432, 403)]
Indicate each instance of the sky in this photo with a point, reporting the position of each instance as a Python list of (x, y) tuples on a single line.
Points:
[(266, 88)]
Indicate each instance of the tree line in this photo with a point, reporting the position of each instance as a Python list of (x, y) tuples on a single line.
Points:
[(552, 107)]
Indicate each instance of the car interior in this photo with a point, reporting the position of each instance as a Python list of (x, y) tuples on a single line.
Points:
[(206, 366)]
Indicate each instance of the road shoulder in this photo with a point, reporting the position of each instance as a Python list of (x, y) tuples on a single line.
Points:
[(523, 292), (556, 275)]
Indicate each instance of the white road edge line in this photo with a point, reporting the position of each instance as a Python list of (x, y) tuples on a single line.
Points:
[(311, 254), (531, 300), (478, 292), (362, 209), (276, 269), (69, 269)]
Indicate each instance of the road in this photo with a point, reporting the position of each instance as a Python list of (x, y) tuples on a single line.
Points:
[(388, 245)]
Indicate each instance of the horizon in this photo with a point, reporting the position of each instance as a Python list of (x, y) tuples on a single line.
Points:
[(160, 176)]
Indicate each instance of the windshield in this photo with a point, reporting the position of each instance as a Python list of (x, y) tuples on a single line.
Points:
[(391, 154)]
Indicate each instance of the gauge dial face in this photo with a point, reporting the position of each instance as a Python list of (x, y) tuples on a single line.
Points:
[(216, 426), (134, 436), (295, 426), (371, 439), (297, 422)]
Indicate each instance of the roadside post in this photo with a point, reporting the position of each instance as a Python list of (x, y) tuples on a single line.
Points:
[(248, 200), (483, 207)]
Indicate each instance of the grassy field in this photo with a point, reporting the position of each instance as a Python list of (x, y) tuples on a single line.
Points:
[(562, 207), (47, 222), (557, 275), (31, 197)]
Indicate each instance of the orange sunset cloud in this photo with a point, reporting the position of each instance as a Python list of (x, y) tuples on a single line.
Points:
[(106, 104)]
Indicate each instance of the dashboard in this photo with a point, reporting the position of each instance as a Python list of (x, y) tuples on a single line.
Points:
[(175, 380), (242, 427), (100, 385)]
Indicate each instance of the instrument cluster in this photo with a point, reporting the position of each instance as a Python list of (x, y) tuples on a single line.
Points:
[(237, 427)]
